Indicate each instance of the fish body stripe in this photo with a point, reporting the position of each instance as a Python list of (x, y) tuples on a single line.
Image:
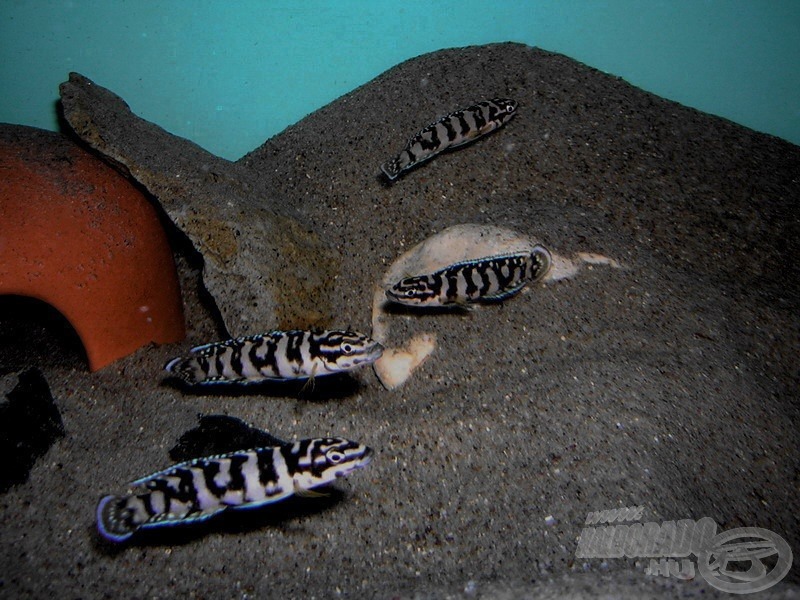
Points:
[(456, 129), (275, 355), (196, 490), (490, 278)]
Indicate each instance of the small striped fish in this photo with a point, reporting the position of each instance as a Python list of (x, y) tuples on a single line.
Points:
[(196, 490), (276, 356), (456, 129), (491, 278)]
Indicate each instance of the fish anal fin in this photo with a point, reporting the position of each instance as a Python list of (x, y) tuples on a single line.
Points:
[(506, 293), (168, 520)]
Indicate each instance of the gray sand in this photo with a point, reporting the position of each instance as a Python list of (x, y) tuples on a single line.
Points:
[(671, 384)]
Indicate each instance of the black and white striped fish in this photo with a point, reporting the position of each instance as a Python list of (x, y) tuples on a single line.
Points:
[(456, 129), (276, 356), (490, 278), (198, 489)]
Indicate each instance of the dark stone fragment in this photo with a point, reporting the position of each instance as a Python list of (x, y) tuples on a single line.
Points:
[(29, 424), (220, 434)]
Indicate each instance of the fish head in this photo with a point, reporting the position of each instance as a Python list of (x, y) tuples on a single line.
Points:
[(345, 350), (506, 108), (414, 291), (327, 459)]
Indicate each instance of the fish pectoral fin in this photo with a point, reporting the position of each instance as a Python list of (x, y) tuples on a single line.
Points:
[(312, 494), (305, 493), (469, 137), (462, 304), (309, 384)]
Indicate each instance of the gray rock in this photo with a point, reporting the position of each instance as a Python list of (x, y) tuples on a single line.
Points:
[(262, 267)]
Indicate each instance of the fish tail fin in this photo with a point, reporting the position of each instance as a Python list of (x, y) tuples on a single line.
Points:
[(541, 262), (111, 521), (391, 169), (184, 368)]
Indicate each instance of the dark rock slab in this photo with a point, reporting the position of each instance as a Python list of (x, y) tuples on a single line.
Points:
[(220, 434), (30, 423), (262, 267)]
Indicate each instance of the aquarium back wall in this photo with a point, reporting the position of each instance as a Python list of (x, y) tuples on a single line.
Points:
[(230, 75)]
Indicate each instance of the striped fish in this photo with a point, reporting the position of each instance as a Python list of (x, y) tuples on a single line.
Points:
[(276, 356), (196, 490), (456, 129), (490, 278)]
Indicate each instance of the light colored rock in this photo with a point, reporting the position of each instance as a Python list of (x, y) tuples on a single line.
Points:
[(397, 364)]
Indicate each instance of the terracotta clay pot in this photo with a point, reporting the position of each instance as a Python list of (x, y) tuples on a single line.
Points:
[(78, 235)]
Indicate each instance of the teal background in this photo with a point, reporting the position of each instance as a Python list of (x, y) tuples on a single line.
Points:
[(228, 75)]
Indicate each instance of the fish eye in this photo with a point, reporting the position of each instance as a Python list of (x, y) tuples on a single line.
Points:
[(410, 293), (347, 348), (334, 457)]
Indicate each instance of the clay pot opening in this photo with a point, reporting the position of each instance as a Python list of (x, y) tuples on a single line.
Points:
[(31, 329)]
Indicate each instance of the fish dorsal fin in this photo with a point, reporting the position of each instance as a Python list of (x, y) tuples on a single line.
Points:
[(216, 435)]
